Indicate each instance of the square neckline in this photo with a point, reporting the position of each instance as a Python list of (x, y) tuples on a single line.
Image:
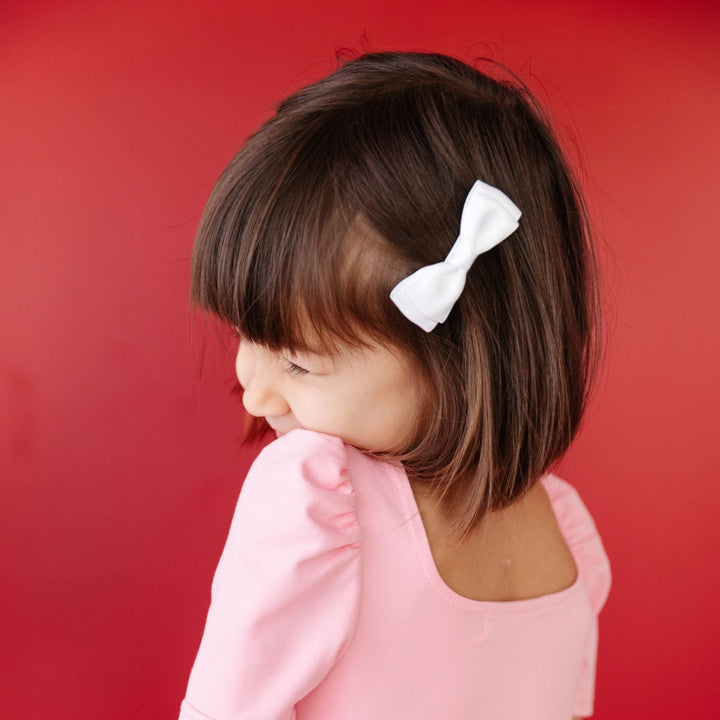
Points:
[(421, 545)]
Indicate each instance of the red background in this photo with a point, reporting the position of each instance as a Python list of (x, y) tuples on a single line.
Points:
[(119, 461)]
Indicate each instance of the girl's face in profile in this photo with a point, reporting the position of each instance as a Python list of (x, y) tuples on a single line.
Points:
[(367, 397)]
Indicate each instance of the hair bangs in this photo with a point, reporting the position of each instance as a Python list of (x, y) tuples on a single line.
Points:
[(293, 264)]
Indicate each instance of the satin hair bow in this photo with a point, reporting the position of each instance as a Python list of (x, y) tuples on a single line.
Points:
[(428, 295)]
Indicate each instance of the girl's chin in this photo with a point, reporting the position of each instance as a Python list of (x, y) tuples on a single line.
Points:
[(279, 432)]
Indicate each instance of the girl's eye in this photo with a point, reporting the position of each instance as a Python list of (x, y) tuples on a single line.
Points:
[(292, 369)]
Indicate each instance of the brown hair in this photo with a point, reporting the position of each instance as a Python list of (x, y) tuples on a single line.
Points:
[(358, 180)]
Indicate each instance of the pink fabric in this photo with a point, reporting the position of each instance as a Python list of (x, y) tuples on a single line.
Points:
[(326, 604)]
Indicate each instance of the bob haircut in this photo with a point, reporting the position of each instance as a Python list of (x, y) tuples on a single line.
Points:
[(357, 181)]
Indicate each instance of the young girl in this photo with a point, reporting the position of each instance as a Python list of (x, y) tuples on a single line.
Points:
[(406, 260)]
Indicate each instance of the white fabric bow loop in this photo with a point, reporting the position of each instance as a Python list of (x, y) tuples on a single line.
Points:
[(428, 295)]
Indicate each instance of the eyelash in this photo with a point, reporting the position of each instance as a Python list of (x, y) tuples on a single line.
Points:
[(292, 369)]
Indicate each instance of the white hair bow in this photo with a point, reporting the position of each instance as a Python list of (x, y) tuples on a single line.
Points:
[(427, 296)]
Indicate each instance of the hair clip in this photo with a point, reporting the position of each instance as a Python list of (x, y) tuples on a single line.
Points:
[(428, 295)]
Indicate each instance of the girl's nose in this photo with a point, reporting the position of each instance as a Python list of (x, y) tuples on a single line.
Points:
[(258, 374), (262, 400)]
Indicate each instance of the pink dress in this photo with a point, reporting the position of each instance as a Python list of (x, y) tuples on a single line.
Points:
[(327, 605)]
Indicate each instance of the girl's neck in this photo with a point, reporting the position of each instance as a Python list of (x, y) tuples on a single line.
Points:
[(437, 521)]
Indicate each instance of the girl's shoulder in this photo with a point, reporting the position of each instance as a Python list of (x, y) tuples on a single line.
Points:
[(580, 532), (302, 448), (301, 479), (314, 461)]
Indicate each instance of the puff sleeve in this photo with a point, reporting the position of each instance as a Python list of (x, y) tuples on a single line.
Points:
[(286, 592), (582, 537)]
